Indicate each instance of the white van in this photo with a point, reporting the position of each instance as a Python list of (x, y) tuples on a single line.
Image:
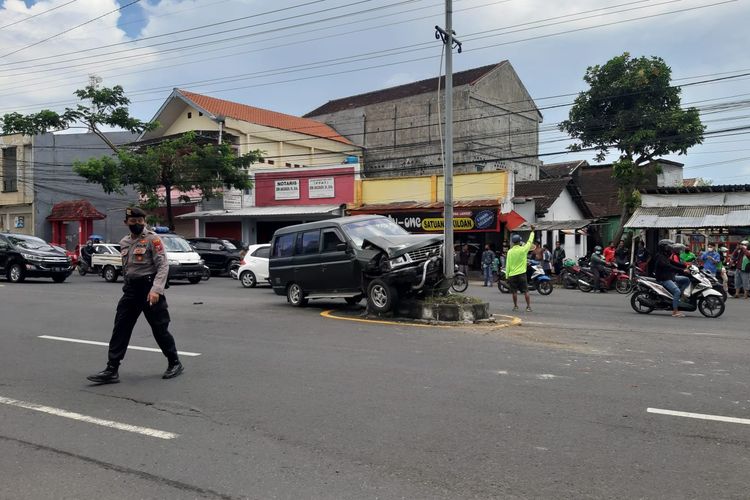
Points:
[(184, 262)]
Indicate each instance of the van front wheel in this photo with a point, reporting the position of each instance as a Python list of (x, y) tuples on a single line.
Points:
[(381, 297), (295, 296)]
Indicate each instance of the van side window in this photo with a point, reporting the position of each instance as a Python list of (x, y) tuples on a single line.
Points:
[(331, 240), (308, 242), (284, 245)]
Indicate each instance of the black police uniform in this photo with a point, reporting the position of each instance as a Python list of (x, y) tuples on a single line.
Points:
[(145, 269)]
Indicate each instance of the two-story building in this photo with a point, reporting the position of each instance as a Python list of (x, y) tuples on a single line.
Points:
[(496, 125)]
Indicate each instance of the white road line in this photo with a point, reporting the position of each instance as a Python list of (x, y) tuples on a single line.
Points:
[(146, 431), (700, 416), (94, 342)]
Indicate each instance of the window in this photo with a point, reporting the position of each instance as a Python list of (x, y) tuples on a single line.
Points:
[(288, 164), (201, 245), (10, 170), (270, 162), (308, 242), (262, 252), (200, 113), (284, 245), (359, 231), (190, 115), (331, 240), (215, 246)]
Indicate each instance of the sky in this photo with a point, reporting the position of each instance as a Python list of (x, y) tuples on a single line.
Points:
[(293, 56)]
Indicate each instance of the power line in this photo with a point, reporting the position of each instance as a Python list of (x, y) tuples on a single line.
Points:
[(37, 15), (69, 29)]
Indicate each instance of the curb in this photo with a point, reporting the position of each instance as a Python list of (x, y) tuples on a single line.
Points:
[(510, 321)]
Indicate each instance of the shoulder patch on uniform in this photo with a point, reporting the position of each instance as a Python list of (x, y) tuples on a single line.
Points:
[(157, 245)]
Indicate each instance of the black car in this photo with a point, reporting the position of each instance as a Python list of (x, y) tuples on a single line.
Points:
[(23, 256), (353, 257), (220, 254)]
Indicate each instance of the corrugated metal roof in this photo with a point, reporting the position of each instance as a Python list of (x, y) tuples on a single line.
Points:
[(690, 217), (286, 210), (559, 225)]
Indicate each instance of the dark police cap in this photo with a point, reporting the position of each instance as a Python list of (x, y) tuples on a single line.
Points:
[(134, 212)]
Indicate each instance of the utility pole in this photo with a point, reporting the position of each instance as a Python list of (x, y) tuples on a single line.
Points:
[(449, 40)]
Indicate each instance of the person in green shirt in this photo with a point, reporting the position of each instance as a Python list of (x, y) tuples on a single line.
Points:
[(687, 256), (515, 268)]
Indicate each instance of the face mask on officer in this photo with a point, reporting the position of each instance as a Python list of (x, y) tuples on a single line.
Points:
[(136, 229)]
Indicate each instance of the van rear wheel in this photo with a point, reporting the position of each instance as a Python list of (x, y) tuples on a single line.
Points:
[(295, 296)]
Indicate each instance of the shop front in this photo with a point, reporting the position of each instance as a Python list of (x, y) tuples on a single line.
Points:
[(282, 197)]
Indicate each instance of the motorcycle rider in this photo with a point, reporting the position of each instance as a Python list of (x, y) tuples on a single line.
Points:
[(87, 252), (665, 272), (597, 263)]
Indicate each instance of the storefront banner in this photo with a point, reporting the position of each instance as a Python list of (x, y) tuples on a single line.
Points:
[(286, 189), (475, 220), (321, 187)]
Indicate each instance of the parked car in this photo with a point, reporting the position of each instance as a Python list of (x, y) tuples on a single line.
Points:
[(23, 256), (219, 254), (354, 257), (184, 262), (254, 267)]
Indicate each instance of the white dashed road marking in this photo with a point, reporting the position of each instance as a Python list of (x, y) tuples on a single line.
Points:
[(700, 416), (146, 431), (134, 347)]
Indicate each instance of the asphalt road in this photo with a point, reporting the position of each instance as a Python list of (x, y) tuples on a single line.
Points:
[(283, 403)]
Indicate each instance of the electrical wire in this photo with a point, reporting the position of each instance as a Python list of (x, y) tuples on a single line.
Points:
[(37, 15)]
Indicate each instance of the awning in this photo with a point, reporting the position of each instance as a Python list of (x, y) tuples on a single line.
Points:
[(269, 212), (561, 225), (690, 217), (512, 220)]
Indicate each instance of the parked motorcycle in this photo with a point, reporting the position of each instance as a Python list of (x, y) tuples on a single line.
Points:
[(536, 277), (609, 278), (649, 295), (460, 283), (570, 273)]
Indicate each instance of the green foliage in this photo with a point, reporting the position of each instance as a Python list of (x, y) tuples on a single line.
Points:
[(183, 164), (105, 106), (632, 107)]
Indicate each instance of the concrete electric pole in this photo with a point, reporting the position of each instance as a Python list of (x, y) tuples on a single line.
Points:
[(449, 40)]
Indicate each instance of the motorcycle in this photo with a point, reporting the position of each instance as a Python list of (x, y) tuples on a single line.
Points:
[(536, 277), (570, 273), (715, 284), (460, 283), (649, 295), (610, 278)]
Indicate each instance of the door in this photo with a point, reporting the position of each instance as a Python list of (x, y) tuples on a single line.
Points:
[(307, 268), (4, 249), (340, 267), (281, 264)]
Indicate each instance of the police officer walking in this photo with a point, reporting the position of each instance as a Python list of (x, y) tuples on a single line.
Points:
[(145, 271)]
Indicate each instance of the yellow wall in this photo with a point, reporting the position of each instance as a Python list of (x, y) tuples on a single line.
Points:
[(479, 186)]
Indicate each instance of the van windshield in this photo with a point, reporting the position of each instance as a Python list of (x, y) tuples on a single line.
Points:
[(172, 244), (361, 230)]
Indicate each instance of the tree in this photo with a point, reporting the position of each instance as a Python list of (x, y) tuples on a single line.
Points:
[(108, 106), (183, 163), (632, 107)]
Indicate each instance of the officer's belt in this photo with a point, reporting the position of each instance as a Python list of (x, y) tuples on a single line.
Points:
[(139, 279)]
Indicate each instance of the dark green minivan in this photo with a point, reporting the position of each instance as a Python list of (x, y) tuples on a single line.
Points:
[(354, 257)]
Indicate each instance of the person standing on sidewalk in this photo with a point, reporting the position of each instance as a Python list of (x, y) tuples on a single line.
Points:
[(558, 257), (145, 271), (464, 256), (515, 268), (743, 270), (488, 256)]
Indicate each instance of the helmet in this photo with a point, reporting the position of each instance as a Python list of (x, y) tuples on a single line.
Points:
[(597, 248), (515, 238), (678, 247), (745, 242), (665, 246)]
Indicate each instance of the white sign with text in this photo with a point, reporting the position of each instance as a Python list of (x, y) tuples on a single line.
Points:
[(287, 189), (321, 187)]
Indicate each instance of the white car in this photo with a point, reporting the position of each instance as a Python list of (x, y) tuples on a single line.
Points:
[(254, 267)]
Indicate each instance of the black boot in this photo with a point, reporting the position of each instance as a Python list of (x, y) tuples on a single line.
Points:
[(107, 376), (174, 369)]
